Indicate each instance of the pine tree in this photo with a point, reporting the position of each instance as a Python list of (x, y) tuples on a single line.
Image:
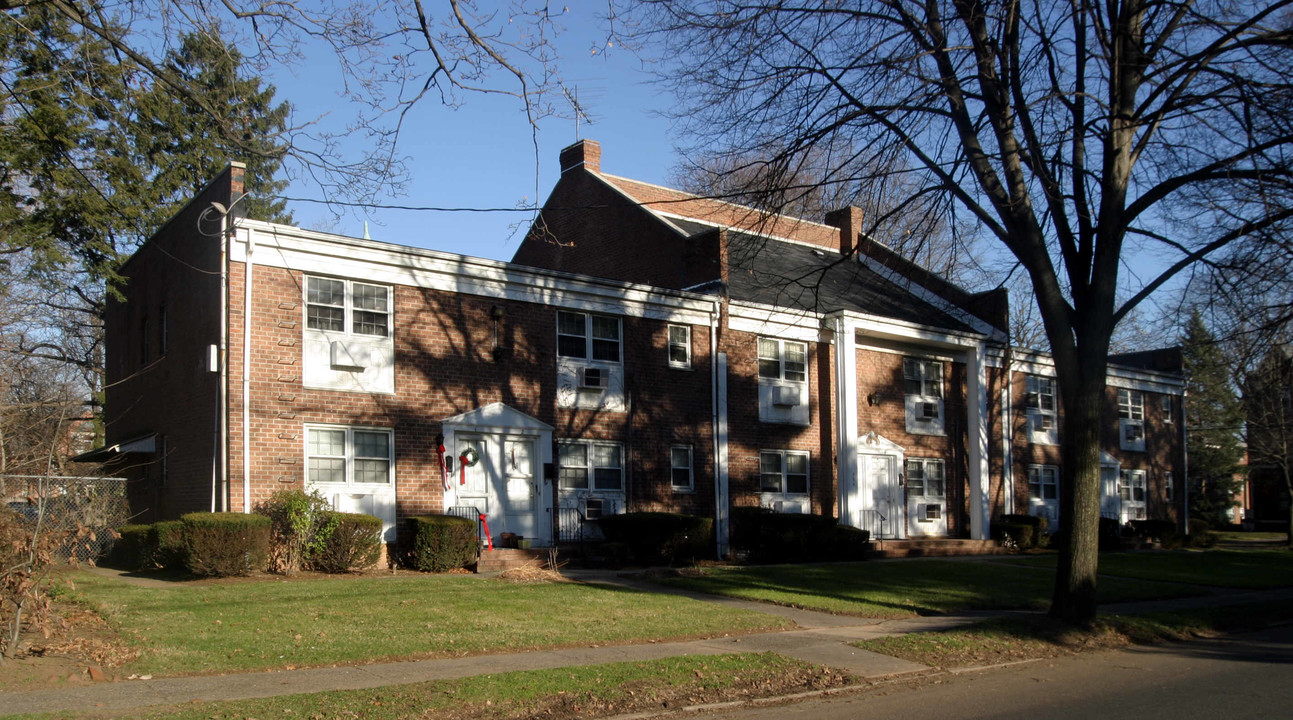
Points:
[(1214, 421)]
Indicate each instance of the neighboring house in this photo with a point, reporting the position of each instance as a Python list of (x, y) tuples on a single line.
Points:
[(644, 350)]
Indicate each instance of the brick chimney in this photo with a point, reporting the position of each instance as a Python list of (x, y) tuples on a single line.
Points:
[(587, 153), (849, 221)]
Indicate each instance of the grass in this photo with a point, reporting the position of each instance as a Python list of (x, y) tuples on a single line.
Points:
[(588, 691), (1012, 639), (1246, 569), (243, 626), (1235, 536), (902, 589)]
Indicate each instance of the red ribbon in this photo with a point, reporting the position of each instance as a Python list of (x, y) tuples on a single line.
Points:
[(489, 540), (462, 464), (444, 471)]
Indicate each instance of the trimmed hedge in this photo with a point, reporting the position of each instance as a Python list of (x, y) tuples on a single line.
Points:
[(437, 543), (226, 544), (767, 536), (132, 551), (1040, 525), (166, 542), (1161, 530), (654, 538), (1024, 535), (354, 542)]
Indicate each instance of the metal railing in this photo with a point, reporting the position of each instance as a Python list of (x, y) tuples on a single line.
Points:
[(471, 512)]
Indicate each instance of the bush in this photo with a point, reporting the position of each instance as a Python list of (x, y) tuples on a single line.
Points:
[(1110, 534), (225, 544), (300, 527), (655, 538), (1040, 526), (1160, 530), (1201, 534), (767, 536), (353, 543), (436, 543), (167, 545), (132, 550), (1022, 535)]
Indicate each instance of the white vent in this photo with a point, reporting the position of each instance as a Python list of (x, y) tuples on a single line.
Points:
[(785, 396), (592, 378)]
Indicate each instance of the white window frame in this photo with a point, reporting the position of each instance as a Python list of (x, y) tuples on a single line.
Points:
[(675, 469), (590, 466), (924, 464), (349, 455), (781, 359), (1043, 421), (684, 343), (784, 473), (1131, 420), (919, 399), (349, 308), (1165, 408), (1129, 480), (1037, 482), (589, 339)]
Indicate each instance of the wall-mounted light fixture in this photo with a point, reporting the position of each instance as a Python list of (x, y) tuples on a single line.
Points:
[(873, 399)]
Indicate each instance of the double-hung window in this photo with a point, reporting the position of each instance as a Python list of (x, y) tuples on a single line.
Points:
[(1131, 491), (1043, 483), (347, 306), (923, 387), (349, 456), (588, 337), (588, 465), (784, 472), (783, 360), (681, 477), (1131, 420), (1165, 408), (679, 346), (925, 478), (1039, 398)]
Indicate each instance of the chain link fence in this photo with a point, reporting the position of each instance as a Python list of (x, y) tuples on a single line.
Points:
[(85, 510)]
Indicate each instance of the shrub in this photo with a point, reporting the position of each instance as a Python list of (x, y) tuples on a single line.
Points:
[(654, 538), (225, 544), (353, 543), (167, 546), (767, 536), (1040, 526), (436, 543), (301, 523), (1201, 534), (1022, 535), (1161, 530), (1110, 534), (132, 550)]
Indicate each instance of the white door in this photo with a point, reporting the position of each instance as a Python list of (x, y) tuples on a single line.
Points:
[(1044, 494), (501, 483), (518, 498), (926, 497), (882, 507)]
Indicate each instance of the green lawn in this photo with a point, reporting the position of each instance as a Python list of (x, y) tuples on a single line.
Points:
[(900, 589), (588, 691), (241, 626), (1248, 569)]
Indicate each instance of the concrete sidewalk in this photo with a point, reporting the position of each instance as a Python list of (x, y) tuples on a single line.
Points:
[(820, 638)]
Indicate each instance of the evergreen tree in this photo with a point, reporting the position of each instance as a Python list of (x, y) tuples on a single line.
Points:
[(1214, 421)]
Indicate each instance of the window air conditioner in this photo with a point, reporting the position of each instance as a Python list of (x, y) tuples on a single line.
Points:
[(593, 508), (347, 357), (790, 508), (785, 396), (933, 511), (592, 378), (928, 411)]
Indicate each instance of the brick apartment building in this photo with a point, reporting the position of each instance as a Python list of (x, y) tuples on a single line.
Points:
[(645, 350)]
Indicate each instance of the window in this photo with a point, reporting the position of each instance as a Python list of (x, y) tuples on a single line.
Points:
[(925, 477), (350, 456), (783, 360), (591, 466), (1039, 399), (1131, 420), (1131, 491), (783, 471), (1169, 492), (679, 346), (1165, 405), (923, 385), (588, 337), (1043, 482), (680, 474), (333, 305)]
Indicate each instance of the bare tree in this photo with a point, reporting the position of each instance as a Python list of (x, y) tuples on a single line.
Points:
[(1268, 399), (1077, 135)]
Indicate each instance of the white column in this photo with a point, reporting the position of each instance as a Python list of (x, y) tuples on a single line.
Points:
[(721, 500), (846, 411), (977, 438)]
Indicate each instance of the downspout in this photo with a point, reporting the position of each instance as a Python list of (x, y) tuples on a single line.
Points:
[(222, 405), (1007, 436), (717, 420), (1185, 467), (246, 374)]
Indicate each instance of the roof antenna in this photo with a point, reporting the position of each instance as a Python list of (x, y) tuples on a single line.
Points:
[(573, 99)]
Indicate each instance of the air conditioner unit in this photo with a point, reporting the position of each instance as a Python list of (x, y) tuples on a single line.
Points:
[(789, 508), (592, 378), (343, 356), (785, 396), (928, 411), (593, 508), (933, 511)]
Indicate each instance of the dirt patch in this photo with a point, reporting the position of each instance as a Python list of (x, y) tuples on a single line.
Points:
[(80, 649)]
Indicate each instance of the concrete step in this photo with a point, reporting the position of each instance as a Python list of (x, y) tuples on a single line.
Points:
[(932, 547)]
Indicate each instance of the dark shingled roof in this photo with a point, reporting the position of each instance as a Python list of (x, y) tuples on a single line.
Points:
[(793, 276)]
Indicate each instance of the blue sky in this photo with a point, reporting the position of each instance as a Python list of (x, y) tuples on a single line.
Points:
[(482, 155)]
